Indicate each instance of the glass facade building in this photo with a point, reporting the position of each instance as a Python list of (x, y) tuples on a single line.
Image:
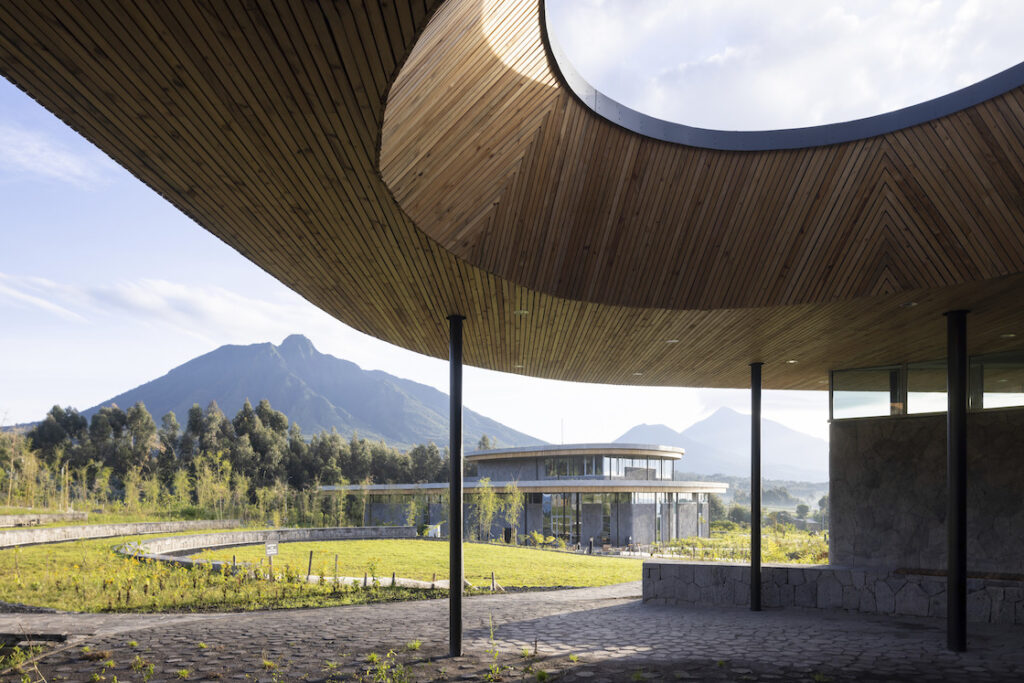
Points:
[(614, 494)]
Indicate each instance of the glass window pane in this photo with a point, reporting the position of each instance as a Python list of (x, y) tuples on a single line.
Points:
[(926, 387), (865, 393), (1001, 376)]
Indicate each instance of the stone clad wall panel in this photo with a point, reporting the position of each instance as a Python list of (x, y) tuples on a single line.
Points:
[(888, 492), (873, 591)]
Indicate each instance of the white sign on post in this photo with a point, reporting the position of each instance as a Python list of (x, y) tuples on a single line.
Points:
[(271, 548)]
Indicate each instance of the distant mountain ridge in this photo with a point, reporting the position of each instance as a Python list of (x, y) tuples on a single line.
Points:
[(720, 444), (317, 391)]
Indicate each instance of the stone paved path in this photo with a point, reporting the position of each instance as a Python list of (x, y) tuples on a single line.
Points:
[(595, 634)]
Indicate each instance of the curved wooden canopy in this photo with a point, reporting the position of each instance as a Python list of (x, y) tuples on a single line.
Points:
[(576, 249)]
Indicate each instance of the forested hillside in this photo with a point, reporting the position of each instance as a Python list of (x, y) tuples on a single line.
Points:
[(257, 465)]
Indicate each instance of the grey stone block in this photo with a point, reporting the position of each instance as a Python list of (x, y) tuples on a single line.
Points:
[(851, 597), (741, 594), (979, 606), (830, 593), (884, 598), (702, 575), (804, 596), (1002, 606), (867, 601), (912, 600), (937, 605)]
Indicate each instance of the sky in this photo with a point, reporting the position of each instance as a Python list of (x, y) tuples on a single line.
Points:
[(104, 285), (746, 65)]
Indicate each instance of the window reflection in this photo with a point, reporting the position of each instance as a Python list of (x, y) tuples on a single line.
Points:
[(994, 381)]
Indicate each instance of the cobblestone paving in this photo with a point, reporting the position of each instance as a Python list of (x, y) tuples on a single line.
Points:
[(592, 635)]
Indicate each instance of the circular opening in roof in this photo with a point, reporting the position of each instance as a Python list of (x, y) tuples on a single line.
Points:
[(751, 65)]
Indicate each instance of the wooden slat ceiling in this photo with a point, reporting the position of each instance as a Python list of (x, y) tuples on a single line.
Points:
[(638, 262), (505, 168)]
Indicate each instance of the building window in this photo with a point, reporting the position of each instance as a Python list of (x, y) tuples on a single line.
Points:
[(994, 381), (866, 393)]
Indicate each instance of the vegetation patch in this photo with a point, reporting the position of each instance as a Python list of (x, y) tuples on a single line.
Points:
[(513, 566), (89, 576), (730, 542)]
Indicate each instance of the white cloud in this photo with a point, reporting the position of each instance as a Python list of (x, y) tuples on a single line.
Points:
[(27, 151), (746, 65), (35, 293)]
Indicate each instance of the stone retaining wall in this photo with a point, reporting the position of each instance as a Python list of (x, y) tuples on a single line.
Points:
[(37, 518), (873, 591), (196, 542), (57, 534), (167, 549)]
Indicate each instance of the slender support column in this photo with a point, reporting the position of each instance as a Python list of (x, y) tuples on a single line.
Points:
[(755, 486), (455, 575), (956, 476), (895, 402)]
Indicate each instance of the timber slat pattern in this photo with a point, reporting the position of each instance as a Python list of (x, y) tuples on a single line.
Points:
[(395, 162), (601, 210)]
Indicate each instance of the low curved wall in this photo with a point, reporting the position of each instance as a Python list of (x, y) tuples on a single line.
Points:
[(59, 534), (164, 549), (38, 518)]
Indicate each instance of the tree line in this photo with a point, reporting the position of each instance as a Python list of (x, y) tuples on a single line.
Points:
[(258, 458)]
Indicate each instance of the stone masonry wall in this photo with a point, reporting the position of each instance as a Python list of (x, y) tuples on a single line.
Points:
[(873, 591), (196, 542), (888, 492), (35, 519), (57, 534)]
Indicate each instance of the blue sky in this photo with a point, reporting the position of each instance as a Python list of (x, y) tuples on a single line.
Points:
[(104, 285), (749, 65)]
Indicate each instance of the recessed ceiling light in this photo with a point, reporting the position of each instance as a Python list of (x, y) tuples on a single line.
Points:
[(1008, 335), (637, 374), (908, 304), (671, 341), (792, 362), (518, 366), (1004, 380), (520, 311)]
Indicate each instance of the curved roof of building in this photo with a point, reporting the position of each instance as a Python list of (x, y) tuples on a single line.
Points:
[(614, 450), (396, 163)]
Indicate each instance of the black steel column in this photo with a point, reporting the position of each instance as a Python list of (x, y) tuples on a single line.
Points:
[(956, 477), (755, 486), (455, 569)]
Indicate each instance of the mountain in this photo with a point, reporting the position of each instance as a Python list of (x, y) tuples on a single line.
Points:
[(720, 444), (317, 391)]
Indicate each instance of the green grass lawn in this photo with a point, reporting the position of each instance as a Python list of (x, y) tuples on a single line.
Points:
[(421, 559), (87, 576)]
